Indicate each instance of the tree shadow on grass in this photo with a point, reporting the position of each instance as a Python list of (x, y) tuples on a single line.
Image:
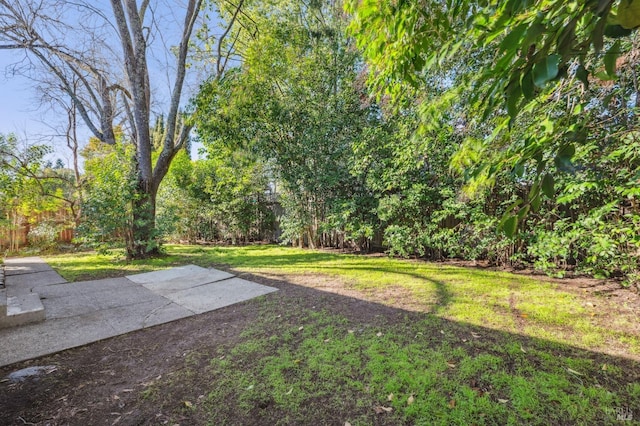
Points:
[(482, 375), (305, 356)]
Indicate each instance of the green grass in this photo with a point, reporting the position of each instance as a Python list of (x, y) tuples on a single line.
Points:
[(488, 347), (287, 371)]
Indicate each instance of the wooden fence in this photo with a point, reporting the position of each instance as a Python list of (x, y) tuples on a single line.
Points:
[(14, 231)]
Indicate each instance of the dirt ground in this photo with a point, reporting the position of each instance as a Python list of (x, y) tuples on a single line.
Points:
[(103, 383)]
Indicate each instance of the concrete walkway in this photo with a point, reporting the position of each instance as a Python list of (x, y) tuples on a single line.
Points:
[(85, 312)]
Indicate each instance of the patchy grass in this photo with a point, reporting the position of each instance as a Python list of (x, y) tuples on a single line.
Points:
[(476, 346), (499, 300), (305, 364)]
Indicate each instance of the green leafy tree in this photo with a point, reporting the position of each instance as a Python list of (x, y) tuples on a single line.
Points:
[(222, 197), (295, 101), (110, 194), (34, 194)]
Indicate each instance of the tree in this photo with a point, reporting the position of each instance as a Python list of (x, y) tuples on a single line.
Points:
[(84, 46), (224, 197), (33, 190), (531, 43), (521, 52), (296, 101)]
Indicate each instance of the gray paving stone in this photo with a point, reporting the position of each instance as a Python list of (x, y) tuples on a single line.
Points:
[(31, 341), (167, 274), (23, 309), (3, 302), (83, 287), (219, 294), (85, 302), (25, 265), (185, 282), (53, 335), (143, 315), (25, 283)]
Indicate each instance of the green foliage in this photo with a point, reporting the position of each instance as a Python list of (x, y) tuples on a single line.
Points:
[(221, 198), (532, 133), (297, 103), (108, 205), (44, 235), (33, 193), (529, 44), (540, 118), (472, 296)]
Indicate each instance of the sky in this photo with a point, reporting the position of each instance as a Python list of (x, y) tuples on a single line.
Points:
[(18, 102), (20, 111)]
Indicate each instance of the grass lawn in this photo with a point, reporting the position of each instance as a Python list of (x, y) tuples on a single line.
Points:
[(444, 345)]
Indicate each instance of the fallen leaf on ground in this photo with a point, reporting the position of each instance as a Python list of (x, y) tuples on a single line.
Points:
[(451, 365), (574, 372), (380, 409), (351, 331), (476, 335), (300, 328), (604, 367), (289, 392), (503, 401), (327, 340), (411, 400), (452, 403), (347, 424), (188, 404), (441, 331), (522, 349), (390, 397), (379, 334)]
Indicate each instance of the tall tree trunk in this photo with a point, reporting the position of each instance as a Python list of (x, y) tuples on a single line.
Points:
[(143, 242)]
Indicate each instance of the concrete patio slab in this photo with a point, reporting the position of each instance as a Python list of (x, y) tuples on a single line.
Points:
[(186, 282), (82, 287), (167, 274), (25, 265), (53, 335), (84, 312), (84, 302), (216, 295), (25, 282)]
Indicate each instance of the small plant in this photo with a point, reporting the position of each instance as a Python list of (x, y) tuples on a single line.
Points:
[(44, 236)]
